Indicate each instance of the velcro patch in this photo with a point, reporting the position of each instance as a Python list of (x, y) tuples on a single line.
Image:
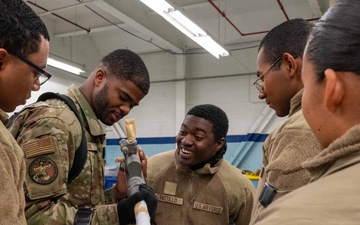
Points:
[(43, 170), (170, 199), (170, 188), (92, 146), (208, 208), (38, 147)]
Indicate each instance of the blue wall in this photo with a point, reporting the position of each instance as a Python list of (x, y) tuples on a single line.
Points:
[(244, 151)]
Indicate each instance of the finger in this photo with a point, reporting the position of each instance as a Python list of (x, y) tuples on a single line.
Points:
[(121, 184), (143, 160), (141, 153), (119, 159)]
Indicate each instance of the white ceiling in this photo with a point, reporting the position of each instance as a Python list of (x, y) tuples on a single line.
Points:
[(131, 24)]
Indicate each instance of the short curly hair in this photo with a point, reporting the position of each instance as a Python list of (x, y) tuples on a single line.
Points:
[(127, 65), (20, 28), (216, 116)]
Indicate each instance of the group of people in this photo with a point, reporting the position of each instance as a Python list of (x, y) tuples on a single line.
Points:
[(306, 72)]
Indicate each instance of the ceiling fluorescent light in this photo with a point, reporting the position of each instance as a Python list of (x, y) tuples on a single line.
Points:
[(185, 25), (158, 6), (64, 66), (211, 46)]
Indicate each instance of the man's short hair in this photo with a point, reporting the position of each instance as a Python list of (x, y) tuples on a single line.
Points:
[(216, 116), (127, 65), (290, 36), (20, 28)]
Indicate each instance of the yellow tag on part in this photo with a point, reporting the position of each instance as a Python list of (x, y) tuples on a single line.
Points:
[(130, 129)]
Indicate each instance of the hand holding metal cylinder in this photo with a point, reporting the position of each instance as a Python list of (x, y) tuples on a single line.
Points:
[(133, 171)]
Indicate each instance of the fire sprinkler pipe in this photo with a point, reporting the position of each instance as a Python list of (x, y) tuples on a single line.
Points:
[(232, 24), (34, 4), (222, 13), (282, 9)]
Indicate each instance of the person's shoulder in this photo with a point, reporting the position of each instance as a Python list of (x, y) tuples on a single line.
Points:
[(160, 162), (50, 107), (237, 186), (46, 114), (296, 121), (230, 173), (163, 156)]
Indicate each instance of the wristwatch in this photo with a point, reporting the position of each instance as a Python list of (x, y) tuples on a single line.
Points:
[(83, 216)]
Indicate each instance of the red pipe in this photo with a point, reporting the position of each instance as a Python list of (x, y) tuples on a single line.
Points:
[(252, 33), (282, 8), (232, 24), (34, 4)]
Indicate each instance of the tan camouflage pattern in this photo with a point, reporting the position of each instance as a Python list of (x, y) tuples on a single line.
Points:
[(50, 133)]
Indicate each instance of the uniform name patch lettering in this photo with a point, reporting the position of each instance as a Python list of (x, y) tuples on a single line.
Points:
[(170, 199), (208, 208)]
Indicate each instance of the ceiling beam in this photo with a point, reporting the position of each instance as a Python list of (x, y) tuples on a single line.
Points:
[(127, 20)]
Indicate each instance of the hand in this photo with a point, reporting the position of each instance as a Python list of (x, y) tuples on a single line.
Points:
[(121, 177), (126, 206), (121, 186), (143, 160)]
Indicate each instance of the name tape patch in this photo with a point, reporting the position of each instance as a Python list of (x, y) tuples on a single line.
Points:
[(207, 207), (170, 199)]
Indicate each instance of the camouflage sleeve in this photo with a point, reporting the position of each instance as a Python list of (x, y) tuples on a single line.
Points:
[(49, 142), (105, 215), (112, 195)]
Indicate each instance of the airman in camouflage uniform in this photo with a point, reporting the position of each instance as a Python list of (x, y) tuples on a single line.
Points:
[(49, 134)]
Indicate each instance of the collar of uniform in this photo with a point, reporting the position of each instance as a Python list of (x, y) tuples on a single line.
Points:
[(207, 169), (94, 125), (342, 153), (295, 103)]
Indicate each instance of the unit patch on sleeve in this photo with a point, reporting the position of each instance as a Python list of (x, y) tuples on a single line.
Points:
[(43, 170)]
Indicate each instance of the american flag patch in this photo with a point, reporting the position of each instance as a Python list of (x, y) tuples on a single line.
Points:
[(38, 147)]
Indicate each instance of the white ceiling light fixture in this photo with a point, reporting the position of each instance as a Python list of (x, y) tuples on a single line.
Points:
[(64, 66), (185, 25)]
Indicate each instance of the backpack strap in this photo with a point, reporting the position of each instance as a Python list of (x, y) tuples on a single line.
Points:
[(81, 152)]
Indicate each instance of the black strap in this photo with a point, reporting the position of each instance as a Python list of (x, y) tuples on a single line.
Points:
[(81, 152), (83, 216)]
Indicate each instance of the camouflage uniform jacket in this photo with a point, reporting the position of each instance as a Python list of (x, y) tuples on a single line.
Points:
[(215, 195), (12, 174), (284, 150), (49, 134)]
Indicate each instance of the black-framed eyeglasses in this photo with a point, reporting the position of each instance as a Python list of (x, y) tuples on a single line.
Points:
[(43, 76), (258, 82)]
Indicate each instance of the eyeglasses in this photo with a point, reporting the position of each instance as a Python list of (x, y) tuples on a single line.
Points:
[(43, 76), (258, 82)]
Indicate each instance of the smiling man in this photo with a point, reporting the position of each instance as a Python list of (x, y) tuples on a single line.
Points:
[(50, 135), (194, 184)]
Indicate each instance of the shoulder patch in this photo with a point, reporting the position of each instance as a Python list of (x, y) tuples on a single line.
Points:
[(38, 147), (43, 170)]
